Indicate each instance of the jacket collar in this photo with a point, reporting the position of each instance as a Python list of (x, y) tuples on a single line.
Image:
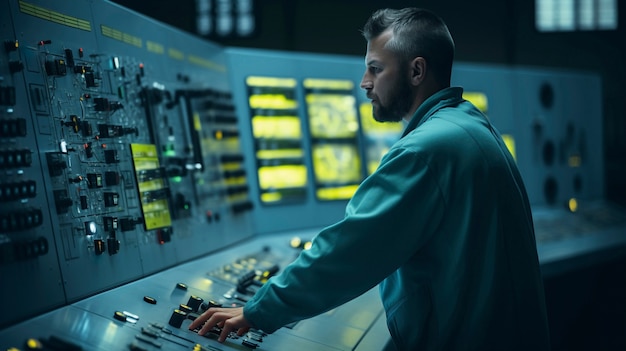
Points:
[(443, 98)]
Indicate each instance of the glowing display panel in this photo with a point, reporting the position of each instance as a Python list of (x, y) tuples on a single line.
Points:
[(277, 133), (480, 101), (379, 137), (152, 185), (334, 127)]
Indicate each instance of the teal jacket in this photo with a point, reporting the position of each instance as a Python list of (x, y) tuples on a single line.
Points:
[(445, 227)]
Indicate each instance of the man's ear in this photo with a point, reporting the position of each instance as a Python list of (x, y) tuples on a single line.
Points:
[(418, 70)]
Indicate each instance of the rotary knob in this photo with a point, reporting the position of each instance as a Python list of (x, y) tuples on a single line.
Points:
[(185, 308), (177, 318), (206, 305), (194, 302)]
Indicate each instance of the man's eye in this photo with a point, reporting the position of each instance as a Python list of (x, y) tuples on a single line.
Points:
[(374, 69)]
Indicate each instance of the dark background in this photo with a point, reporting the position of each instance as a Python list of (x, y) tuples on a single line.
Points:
[(586, 306)]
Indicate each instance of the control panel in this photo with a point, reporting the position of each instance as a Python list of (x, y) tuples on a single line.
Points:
[(119, 152), (155, 312)]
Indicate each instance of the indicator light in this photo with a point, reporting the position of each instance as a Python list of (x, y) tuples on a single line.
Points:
[(572, 205), (90, 228), (295, 242)]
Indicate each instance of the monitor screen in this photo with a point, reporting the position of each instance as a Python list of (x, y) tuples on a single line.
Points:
[(277, 134), (379, 137), (152, 186), (334, 134), (481, 102)]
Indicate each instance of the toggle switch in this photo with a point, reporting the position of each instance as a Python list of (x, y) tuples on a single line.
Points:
[(99, 247), (249, 344), (120, 316), (114, 246), (150, 300)]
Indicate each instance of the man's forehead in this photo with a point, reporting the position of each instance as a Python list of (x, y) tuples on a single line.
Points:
[(376, 47), (381, 40)]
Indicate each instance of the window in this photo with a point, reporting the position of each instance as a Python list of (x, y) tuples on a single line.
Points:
[(575, 15)]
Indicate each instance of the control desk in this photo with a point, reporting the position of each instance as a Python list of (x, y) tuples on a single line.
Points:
[(154, 313)]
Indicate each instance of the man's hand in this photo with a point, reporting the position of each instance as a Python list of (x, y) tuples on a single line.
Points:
[(229, 319)]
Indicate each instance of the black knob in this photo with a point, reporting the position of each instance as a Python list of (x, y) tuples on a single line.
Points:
[(185, 308), (194, 302), (206, 305), (177, 318)]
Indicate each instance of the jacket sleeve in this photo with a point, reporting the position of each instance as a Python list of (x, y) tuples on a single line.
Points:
[(391, 215)]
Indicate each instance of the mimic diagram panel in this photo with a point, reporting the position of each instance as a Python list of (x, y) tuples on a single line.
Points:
[(119, 152)]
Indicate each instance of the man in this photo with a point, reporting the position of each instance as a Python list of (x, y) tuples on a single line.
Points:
[(444, 224)]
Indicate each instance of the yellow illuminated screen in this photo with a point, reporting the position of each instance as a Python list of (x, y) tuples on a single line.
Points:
[(276, 127), (277, 133), (509, 141), (379, 137), (334, 130), (478, 99), (332, 115), (155, 208), (481, 102), (336, 163)]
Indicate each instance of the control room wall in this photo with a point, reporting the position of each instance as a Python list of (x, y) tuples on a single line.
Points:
[(485, 31)]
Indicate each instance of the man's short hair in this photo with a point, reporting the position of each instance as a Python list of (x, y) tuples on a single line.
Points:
[(416, 32)]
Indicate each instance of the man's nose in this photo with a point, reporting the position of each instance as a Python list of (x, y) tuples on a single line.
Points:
[(366, 82)]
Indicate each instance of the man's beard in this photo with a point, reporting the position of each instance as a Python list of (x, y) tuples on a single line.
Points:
[(397, 108)]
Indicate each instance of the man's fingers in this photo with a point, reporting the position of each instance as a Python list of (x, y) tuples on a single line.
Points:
[(201, 319), (207, 320), (225, 331), (242, 331), (231, 325), (215, 319), (228, 319)]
